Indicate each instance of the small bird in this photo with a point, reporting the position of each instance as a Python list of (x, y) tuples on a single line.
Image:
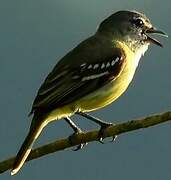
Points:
[(91, 76)]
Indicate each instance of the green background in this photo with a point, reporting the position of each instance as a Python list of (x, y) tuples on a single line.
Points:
[(34, 35)]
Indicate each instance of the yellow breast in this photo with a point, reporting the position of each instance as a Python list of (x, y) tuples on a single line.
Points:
[(114, 89), (107, 94)]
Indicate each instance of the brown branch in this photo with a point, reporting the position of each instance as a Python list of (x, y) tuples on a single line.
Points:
[(90, 136)]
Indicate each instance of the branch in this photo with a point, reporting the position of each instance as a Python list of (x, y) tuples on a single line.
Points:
[(113, 130)]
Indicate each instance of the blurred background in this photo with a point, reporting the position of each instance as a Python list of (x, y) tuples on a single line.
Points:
[(34, 35)]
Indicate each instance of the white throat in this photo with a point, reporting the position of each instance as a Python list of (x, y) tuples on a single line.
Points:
[(139, 53)]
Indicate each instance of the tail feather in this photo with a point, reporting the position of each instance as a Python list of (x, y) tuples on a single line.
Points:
[(26, 147)]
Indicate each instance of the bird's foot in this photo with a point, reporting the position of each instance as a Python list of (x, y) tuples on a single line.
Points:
[(72, 139), (102, 130), (100, 122), (77, 131), (104, 126)]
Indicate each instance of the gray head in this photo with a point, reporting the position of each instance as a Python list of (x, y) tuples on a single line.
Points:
[(131, 27)]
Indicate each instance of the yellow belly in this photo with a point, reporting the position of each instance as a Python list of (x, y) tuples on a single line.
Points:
[(110, 92), (105, 95)]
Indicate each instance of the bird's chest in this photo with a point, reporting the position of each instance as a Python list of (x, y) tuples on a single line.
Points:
[(111, 91), (118, 86), (121, 83)]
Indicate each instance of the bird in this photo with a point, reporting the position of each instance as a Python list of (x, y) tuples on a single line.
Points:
[(91, 76)]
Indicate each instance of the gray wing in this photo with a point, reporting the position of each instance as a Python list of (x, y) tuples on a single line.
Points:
[(70, 81)]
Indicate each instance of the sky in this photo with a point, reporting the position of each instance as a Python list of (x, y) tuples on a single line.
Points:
[(34, 35)]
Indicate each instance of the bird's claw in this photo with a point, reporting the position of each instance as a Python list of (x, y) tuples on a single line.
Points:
[(102, 130), (101, 140), (80, 146), (114, 138), (71, 140)]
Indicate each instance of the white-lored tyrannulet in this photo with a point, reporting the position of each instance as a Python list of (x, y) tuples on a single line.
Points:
[(92, 75)]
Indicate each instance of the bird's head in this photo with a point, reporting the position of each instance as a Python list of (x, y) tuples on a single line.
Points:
[(132, 28)]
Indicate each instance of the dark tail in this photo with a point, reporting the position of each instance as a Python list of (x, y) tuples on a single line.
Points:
[(26, 147)]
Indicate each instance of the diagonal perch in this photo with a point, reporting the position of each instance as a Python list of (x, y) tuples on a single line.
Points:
[(62, 144)]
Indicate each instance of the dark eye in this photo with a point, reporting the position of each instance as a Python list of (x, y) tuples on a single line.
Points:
[(138, 22)]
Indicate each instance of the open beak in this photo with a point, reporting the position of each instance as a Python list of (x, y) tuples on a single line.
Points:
[(155, 31)]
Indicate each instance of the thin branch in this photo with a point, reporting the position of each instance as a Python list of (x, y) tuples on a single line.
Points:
[(113, 130)]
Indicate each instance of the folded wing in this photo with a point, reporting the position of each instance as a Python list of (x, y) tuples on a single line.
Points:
[(70, 81)]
